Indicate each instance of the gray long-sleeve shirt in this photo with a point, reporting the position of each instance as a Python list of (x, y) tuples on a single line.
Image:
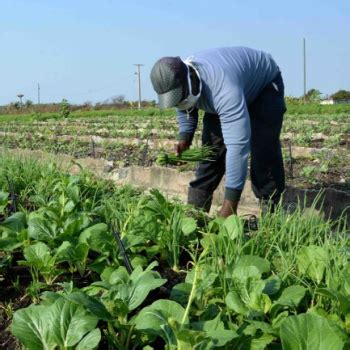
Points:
[(232, 77)]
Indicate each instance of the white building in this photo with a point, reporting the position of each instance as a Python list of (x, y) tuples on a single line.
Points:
[(331, 101)]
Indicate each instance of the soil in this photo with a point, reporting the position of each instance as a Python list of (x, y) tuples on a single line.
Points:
[(13, 295), (336, 178), (12, 298), (16, 278)]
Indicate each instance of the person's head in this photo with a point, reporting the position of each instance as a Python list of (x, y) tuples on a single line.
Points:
[(176, 83)]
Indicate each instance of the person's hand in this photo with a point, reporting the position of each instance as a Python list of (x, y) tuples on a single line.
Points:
[(181, 146), (228, 208)]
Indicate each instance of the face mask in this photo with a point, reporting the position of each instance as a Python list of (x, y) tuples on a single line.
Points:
[(189, 102)]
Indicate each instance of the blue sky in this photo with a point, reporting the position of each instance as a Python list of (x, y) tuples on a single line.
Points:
[(85, 50)]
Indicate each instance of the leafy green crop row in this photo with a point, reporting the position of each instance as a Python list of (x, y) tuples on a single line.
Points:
[(195, 283), (292, 109), (327, 167)]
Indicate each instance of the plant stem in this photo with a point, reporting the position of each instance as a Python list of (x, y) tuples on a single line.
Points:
[(193, 290)]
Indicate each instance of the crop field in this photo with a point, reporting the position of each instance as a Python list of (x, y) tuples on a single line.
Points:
[(88, 264), (315, 147)]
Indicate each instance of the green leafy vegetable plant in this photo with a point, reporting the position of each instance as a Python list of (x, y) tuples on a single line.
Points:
[(63, 324), (196, 154), (4, 200)]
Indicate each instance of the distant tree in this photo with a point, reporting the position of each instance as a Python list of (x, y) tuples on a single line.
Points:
[(16, 105), (28, 103), (341, 95), (87, 105), (65, 108), (119, 99), (313, 95)]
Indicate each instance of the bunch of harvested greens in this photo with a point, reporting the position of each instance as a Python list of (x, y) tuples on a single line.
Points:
[(195, 154)]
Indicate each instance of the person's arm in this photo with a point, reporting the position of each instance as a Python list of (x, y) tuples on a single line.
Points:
[(187, 127), (235, 124), (228, 208)]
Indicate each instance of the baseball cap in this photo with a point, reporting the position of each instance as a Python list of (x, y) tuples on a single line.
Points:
[(169, 78)]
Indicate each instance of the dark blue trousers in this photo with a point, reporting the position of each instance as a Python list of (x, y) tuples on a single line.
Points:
[(266, 163)]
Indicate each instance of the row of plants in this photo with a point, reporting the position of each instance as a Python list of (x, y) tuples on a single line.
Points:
[(109, 130), (87, 114), (313, 131), (320, 122), (99, 266), (292, 108), (305, 138), (121, 154), (324, 168)]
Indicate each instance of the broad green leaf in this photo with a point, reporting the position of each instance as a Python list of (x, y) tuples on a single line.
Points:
[(205, 279), (273, 285), (73, 193), (143, 282), (138, 260), (251, 260), (60, 324), (61, 251), (121, 292), (90, 341), (119, 275), (243, 273), (260, 342), (134, 289), (159, 314), (215, 330), (254, 326), (312, 262), (98, 238), (15, 223), (74, 225), (188, 225), (163, 318), (247, 295), (38, 255), (91, 304), (215, 225), (343, 300), (181, 292), (188, 339), (42, 229), (49, 297), (310, 331), (291, 296), (233, 226), (32, 326), (70, 322), (9, 241), (234, 302), (4, 199), (106, 273), (72, 253), (69, 207), (276, 322)]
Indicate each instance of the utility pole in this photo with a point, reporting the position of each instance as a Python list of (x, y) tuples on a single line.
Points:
[(138, 65), (304, 63), (38, 94)]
